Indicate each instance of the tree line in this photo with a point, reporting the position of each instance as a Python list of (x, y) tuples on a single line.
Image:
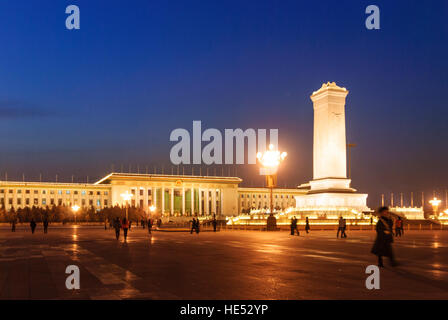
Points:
[(65, 214)]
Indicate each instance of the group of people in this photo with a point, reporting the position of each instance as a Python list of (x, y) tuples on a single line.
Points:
[(125, 224), (33, 225), (195, 224), (342, 226), (294, 226)]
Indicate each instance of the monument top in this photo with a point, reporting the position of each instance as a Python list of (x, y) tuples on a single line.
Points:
[(330, 86)]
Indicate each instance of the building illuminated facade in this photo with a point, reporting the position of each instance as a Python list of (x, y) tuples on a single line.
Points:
[(172, 195)]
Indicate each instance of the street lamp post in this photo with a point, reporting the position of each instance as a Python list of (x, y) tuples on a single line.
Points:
[(126, 197), (270, 160), (75, 209)]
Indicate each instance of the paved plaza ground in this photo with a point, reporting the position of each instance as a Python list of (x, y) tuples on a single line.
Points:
[(221, 265)]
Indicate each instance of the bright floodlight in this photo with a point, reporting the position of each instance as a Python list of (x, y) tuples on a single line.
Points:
[(126, 196), (152, 208), (435, 202), (75, 208), (271, 158)]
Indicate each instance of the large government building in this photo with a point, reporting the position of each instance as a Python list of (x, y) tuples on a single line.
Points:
[(172, 195)]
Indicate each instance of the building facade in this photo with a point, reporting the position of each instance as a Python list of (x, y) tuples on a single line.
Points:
[(171, 195)]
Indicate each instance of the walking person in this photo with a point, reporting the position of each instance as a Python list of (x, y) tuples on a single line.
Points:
[(344, 227), (117, 227), (382, 246), (33, 225), (294, 228), (13, 225), (398, 227), (142, 222), (197, 225), (193, 225), (149, 226), (340, 227), (307, 225), (125, 225), (45, 225), (214, 223)]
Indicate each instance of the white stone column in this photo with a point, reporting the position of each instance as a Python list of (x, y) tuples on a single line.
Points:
[(163, 200), (192, 201), (329, 151), (207, 203), (154, 196), (214, 201), (183, 201), (200, 201), (172, 201), (221, 204)]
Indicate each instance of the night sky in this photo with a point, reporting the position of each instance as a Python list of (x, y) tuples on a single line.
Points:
[(79, 102)]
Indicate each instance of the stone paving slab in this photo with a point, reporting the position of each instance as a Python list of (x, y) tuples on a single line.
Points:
[(221, 265)]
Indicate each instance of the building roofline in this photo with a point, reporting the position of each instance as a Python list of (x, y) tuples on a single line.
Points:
[(51, 184), (142, 176)]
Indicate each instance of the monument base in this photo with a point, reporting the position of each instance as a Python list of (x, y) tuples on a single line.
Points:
[(332, 204)]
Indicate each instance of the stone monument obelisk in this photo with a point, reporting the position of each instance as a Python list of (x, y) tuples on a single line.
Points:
[(330, 189)]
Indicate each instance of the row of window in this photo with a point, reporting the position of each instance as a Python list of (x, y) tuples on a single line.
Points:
[(44, 202), (253, 203), (265, 196), (75, 192)]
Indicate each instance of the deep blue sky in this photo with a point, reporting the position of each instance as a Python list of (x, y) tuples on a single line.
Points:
[(75, 102)]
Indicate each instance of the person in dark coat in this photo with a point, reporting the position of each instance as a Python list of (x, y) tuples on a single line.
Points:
[(149, 226), (294, 228), (142, 222), (117, 227), (32, 225), (45, 225), (193, 225), (398, 227), (214, 223), (13, 225), (307, 225), (340, 227), (382, 246), (344, 227), (197, 226), (125, 225)]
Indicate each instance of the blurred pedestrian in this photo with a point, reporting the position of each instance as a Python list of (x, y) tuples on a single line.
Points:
[(32, 225), (13, 225), (149, 226), (398, 227), (344, 227), (125, 225), (307, 225), (214, 223), (197, 225), (117, 227), (45, 225), (193, 225), (293, 226), (142, 222), (382, 246), (340, 227)]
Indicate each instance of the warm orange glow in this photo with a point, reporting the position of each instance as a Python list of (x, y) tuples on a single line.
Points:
[(126, 196), (271, 158), (435, 202), (75, 208)]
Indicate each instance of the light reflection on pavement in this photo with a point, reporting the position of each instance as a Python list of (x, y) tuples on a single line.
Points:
[(222, 265)]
